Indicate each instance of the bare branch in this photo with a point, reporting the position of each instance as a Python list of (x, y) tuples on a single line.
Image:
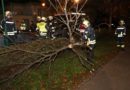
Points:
[(6, 52), (41, 59), (51, 55), (81, 60), (83, 5)]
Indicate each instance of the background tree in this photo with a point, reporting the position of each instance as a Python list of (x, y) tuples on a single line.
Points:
[(107, 11)]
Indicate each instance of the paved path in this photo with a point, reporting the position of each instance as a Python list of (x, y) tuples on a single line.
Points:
[(113, 76)]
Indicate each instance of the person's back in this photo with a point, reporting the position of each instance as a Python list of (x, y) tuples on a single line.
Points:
[(42, 26)]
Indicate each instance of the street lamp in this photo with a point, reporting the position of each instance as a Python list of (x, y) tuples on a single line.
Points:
[(43, 4), (76, 1), (42, 8)]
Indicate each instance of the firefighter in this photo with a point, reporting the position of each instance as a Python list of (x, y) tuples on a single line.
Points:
[(41, 27), (89, 39), (51, 27), (23, 26), (9, 29), (120, 33)]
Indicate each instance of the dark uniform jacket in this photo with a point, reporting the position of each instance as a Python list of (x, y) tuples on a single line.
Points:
[(120, 31), (89, 35), (8, 26)]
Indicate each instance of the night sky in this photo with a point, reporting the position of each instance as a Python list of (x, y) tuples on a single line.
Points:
[(89, 1), (94, 7), (20, 1), (47, 0), (23, 0)]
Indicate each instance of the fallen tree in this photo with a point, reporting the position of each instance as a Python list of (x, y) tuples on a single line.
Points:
[(27, 55)]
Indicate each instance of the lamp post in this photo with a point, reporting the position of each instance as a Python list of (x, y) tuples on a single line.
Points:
[(43, 4), (42, 8)]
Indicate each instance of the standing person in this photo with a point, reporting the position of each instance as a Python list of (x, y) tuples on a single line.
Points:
[(41, 27), (51, 26), (9, 29), (120, 33), (89, 38), (23, 26)]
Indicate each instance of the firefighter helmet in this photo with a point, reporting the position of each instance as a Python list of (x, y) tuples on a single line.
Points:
[(86, 23), (50, 17), (38, 18), (43, 18), (122, 22), (8, 13)]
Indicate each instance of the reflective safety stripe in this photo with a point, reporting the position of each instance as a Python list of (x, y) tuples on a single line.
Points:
[(92, 42), (43, 33), (86, 32), (121, 28), (117, 45), (10, 33), (23, 28), (85, 37), (123, 46), (120, 35), (52, 27), (53, 30), (9, 22), (50, 23), (15, 31), (124, 33)]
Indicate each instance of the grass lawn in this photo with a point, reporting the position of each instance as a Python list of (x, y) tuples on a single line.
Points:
[(62, 74)]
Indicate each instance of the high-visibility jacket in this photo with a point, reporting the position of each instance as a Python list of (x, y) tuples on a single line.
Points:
[(41, 26)]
